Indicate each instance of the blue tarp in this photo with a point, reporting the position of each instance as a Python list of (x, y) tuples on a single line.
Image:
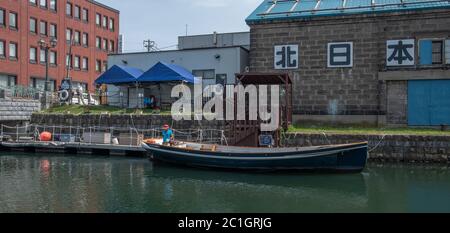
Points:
[(119, 75), (164, 72)]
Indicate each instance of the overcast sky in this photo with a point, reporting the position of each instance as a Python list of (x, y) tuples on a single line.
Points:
[(164, 20)]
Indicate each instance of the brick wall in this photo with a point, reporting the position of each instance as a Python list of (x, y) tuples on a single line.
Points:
[(24, 70), (343, 91)]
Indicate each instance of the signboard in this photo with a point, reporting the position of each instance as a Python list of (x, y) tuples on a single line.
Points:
[(400, 52), (66, 84), (286, 57), (266, 140), (340, 54)]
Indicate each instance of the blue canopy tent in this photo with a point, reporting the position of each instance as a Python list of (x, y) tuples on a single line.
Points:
[(164, 72), (119, 75)]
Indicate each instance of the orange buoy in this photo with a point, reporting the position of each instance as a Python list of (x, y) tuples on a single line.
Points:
[(45, 136)]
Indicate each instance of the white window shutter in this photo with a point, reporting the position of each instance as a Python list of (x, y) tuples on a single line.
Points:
[(447, 51)]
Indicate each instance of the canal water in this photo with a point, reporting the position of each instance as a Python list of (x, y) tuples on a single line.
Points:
[(57, 183)]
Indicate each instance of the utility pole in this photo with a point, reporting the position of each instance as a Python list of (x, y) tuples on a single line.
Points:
[(149, 45)]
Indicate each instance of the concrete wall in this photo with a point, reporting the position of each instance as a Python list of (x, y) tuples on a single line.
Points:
[(199, 59), (391, 148), (17, 109), (356, 91)]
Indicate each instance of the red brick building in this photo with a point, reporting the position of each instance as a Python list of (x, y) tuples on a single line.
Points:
[(93, 28)]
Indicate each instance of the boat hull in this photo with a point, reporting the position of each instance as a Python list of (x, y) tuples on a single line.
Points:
[(344, 158)]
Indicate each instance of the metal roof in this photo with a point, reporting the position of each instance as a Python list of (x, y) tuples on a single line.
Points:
[(291, 9)]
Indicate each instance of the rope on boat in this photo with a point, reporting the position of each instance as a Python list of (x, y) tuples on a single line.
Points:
[(379, 143)]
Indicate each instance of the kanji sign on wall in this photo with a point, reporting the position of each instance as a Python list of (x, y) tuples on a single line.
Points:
[(286, 57), (400, 52), (340, 54)]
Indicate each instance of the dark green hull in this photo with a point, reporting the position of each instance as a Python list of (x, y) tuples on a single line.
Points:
[(342, 158)]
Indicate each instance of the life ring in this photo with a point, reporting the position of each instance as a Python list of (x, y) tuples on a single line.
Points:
[(64, 95)]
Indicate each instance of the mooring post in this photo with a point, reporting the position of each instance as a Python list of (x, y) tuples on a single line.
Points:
[(17, 133), (131, 136), (90, 135)]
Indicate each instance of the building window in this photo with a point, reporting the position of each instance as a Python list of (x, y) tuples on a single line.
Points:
[(2, 17), (437, 52), (43, 3), (85, 39), (76, 12), (447, 51), (43, 28), (13, 20), (76, 62), (111, 46), (52, 57), (33, 25), (77, 37), (13, 51), (33, 2), (98, 65), (105, 66), (7, 80), (85, 63), (431, 52), (69, 9), (105, 44), (98, 42), (68, 35), (2, 48), (205, 74), (53, 5), (33, 55), (105, 22), (98, 19), (53, 30), (111, 24), (68, 61), (85, 15), (42, 56), (39, 84)]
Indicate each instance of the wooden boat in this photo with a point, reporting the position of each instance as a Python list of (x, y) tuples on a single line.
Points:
[(333, 158)]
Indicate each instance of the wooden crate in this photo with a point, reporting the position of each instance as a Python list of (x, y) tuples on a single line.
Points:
[(97, 138), (130, 139)]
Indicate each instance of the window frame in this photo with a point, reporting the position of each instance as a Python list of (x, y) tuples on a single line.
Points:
[(55, 8), (71, 9), (35, 25), (16, 19), (31, 60), (43, 6), (16, 55), (40, 28), (50, 57), (3, 54), (3, 18)]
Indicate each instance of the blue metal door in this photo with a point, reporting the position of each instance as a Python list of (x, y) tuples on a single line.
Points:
[(429, 102)]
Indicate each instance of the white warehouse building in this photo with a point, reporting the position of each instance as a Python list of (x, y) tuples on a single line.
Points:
[(214, 57)]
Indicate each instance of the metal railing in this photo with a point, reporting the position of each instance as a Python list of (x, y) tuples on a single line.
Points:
[(89, 135)]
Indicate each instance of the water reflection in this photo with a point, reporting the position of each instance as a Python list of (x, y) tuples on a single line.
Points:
[(42, 183)]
